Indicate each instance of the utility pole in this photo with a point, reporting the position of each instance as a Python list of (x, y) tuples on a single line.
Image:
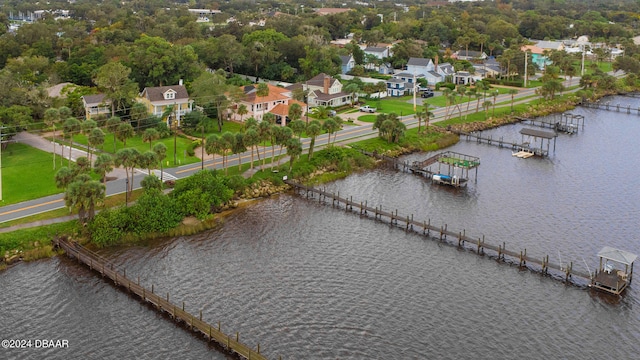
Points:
[(582, 68)]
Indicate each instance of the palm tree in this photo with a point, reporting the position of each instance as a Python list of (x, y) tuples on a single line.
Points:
[(298, 127), (64, 176), (428, 114), (294, 149), (138, 113), (321, 112), (495, 97), (160, 150), (84, 194), (486, 105), (447, 96), (51, 118), (103, 165), (228, 143), (149, 135), (147, 160), (352, 88), (330, 126), (282, 138), (238, 148), (127, 158), (96, 138), (86, 127), (242, 111), (263, 133), (513, 93), (212, 147), (274, 130), (263, 91), (419, 115), (295, 112), (70, 127), (251, 139), (124, 131), (112, 126), (313, 130)]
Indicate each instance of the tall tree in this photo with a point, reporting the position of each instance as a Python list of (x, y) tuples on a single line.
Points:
[(51, 118), (138, 114), (103, 165), (313, 130), (70, 127), (113, 80), (251, 139), (123, 132), (128, 159), (294, 149), (211, 88), (96, 138), (149, 135)]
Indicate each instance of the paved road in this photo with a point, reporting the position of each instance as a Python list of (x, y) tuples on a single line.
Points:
[(349, 133)]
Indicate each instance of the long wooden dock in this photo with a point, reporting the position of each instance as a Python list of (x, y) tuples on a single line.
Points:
[(442, 233), (522, 146), (611, 107), (229, 344)]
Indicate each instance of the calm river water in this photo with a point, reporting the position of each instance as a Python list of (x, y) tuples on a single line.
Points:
[(306, 281)]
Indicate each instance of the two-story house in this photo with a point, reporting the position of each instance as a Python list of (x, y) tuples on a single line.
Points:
[(159, 99), (403, 83), (325, 90), (277, 102), (347, 63), (95, 105)]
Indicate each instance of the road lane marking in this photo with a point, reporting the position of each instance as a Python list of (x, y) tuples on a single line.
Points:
[(30, 207)]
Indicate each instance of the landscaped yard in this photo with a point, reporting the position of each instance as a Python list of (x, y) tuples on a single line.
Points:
[(27, 173)]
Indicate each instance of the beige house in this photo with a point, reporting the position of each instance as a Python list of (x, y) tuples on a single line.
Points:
[(325, 90), (158, 99), (95, 105), (276, 102)]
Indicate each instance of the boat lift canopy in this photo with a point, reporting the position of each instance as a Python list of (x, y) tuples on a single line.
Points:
[(620, 256)]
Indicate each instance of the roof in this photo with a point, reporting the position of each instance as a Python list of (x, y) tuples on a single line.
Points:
[(318, 80), (538, 133), (375, 49), (157, 93), (331, 11), (322, 96), (93, 100), (345, 59), (533, 49), (418, 61), (621, 256), (556, 45), (275, 93)]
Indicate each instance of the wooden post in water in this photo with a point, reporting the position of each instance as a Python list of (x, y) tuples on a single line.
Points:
[(183, 306), (152, 291), (200, 315)]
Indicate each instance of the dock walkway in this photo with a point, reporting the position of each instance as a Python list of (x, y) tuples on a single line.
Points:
[(229, 344), (542, 265)]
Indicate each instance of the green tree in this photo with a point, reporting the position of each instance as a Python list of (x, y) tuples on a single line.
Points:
[(51, 119), (331, 126), (160, 150), (242, 111), (298, 127), (84, 194), (313, 130), (228, 142), (103, 165), (70, 127), (252, 139), (151, 182), (238, 148), (127, 158), (295, 112), (123, 132), (294, 150), (112, 126), (513, 93), (262, 91), (428, 114), (213, 146), (149, 135), (96, 138), (138, 114), (113, 80)]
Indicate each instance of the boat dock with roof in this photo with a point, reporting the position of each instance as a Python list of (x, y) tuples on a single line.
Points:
[(615, 271)]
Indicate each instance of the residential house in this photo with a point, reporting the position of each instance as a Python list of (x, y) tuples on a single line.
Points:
[(276, 102), (469, 55), (95, 105), (347, 63), (419, 65), (375, 55), (325, 90), (550, 45), (159, 99), (403, 83), (489, 68), (537, 55)]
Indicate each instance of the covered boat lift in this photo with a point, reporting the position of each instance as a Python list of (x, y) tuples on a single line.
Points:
[(541, 135), (610, 277)]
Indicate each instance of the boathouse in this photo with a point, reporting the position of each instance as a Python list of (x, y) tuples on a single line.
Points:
[(615, 270)]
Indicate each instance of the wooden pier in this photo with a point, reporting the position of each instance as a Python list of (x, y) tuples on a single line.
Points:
[(442, 233), (229, 344), (449, 159), (536, 135), (567, 123), (611, 107)]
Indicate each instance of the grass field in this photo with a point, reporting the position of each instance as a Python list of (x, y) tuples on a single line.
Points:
[(27, 173)]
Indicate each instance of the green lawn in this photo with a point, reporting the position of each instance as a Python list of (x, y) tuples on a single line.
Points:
[(367, 118), (27, 173), (136, 142), (398, 105)]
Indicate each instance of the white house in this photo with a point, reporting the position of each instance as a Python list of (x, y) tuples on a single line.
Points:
[(325, 90)]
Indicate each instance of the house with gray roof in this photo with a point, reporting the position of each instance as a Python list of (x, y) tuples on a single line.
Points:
[(158, 99), (348, 62), (95, 105)]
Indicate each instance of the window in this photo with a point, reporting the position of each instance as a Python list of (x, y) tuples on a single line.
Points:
[(170, 95)]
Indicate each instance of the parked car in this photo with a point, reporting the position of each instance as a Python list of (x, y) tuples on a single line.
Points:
[(426, 94), (332, 113), (368, 109)]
